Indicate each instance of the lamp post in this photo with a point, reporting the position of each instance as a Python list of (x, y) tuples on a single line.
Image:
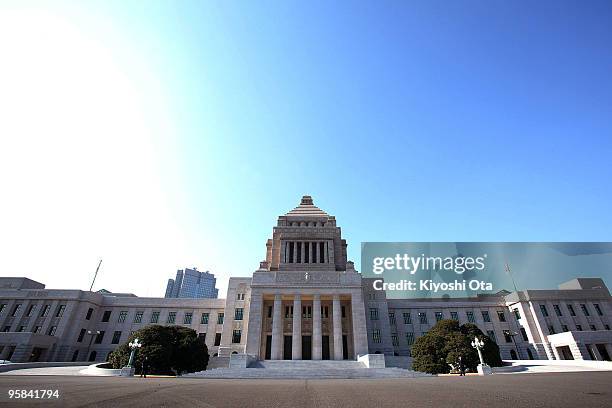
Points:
[(483, 369), (512, 334), (128, 370), (91, 333)]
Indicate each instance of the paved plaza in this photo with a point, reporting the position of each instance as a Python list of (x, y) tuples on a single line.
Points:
[(527, 390)]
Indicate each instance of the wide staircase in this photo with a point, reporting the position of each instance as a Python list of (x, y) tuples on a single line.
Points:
[(307, 369)]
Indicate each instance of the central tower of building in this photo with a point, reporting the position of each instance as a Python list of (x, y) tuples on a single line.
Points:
[(306, 298)]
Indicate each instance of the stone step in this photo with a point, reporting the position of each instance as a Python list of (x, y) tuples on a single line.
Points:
[(307, 373), (307, 364)]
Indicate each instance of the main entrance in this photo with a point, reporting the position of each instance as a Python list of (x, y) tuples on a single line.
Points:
[(306, 348)]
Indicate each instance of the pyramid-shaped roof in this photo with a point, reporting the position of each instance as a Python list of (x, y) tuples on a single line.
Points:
[(307, 209)]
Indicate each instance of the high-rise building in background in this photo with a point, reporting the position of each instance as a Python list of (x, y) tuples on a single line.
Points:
[(191, 283)]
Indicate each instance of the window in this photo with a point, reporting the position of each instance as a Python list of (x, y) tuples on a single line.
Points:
[(455, 316), (220, 317), (557, 310), (6, 329), (31, 310), (240, 296), (288, 312), (171, 318), (584, 309), (524, 334), (564, 328), (2, 307), (544, 310), (236, 336), (138, 316), (52, 330), (37, 329), (491, 335), (204, 318), (422, 318), (593, 328), (392, 318), (81, 335), (116, 337), (373, 313), (187, 318), (217, 339), (155, 317), (21, 329), (202, 336), (597, 309), (122, 316), (16, 309), (551, 329), (407, 318), (106, 316), (306, 312), (470, 316), (75, 355), (89, 312), (99, 337), (579, 327), (501, 316), (45, 311), (438, 316), (607, 326), (325, 312), (485, 316), (60, 310), (238, 313), (376, 335), (507, 336), (410, 338), (571, 310), (517, 314), (394, 339)]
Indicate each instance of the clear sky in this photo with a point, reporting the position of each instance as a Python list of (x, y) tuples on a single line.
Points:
[(159, 135)]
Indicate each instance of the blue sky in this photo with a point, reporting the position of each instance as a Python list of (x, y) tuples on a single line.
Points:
[(199, 123)]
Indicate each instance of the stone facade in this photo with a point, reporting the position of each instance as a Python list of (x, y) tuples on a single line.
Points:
[(306, 301)]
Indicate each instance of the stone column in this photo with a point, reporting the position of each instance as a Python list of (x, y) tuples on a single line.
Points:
[(325, 252), (277, 329), (337, 318), (360, 332), (317, 345), (303, 252), (253, 345), (295, 251), (296, 349)]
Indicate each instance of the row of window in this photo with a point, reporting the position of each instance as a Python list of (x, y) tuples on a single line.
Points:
[(565, 328), (306, 312), (570, 308), (508, 335), (99, 336), (501, 316), (35, 329), (171, 318), (59, 311)]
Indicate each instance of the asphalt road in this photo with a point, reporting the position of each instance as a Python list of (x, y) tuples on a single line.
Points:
[(593, 389)]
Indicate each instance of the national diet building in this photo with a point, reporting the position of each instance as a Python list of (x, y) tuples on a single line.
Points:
[(306, 301)]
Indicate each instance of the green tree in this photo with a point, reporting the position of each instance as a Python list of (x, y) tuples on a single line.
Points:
[(445, 342), (168, 349)]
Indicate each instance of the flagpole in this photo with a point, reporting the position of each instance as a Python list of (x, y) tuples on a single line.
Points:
[(96, 275), (509, 272)]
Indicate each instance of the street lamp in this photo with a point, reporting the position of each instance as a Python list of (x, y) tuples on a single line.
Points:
[(512, 334), (483, 369), (128, 370), (134, 345), (91, 333)]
